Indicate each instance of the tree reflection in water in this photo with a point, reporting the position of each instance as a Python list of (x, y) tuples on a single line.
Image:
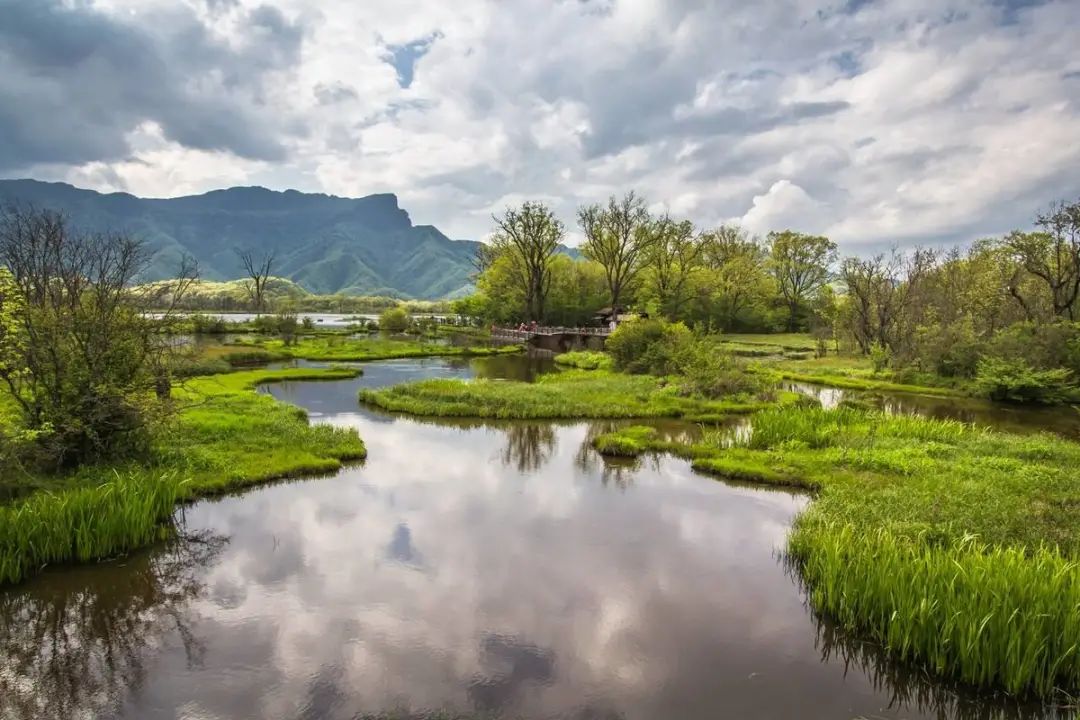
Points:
[(72, 644), (528, 446)]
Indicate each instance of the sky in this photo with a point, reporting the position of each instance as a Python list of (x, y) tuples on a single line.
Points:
[(875, 122)]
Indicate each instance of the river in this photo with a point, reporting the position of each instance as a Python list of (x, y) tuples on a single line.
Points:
[(484, 569)]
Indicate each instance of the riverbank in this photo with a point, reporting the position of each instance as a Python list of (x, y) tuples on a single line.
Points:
[(951, 546), (225, 436), (572, 394)]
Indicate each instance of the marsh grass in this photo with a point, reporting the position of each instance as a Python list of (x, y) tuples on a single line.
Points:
[(86, 523), (225, 436), (569, 394), (952, 546), (350, 349), (585, 360)]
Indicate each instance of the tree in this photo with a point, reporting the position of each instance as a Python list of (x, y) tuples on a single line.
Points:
[(737, 272), (1053, 256), (76, 348), (528, 237), (395, 319), (673, 254), (258, 268), (800, 264), (617, 237)]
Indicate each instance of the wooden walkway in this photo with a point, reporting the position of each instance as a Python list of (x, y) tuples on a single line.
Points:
[(513, 333)]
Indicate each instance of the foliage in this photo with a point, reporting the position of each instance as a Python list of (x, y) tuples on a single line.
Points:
[(527, 238), (77, 355), (336, 348), (395, 319), (706, 369), (647, 346), (800, 265), (1017, 381), (619, 237)]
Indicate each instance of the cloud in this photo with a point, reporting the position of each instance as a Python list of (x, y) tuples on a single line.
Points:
[(875, 122)]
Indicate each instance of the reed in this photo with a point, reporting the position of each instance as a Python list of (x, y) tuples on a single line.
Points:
[(584, 360), (87, 523)]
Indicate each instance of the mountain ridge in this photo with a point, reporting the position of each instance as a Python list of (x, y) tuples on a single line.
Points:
[(326, 243)]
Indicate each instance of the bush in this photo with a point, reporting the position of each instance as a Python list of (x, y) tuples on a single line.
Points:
[(395, 319), (950, 350), (711, 372), (879, 357), (647, 346), (1044, 346), (1017, 381)]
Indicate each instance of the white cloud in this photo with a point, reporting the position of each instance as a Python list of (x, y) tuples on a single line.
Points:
[(904, 121)]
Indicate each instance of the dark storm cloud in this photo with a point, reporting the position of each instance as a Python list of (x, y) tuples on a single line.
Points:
[(75, 81)]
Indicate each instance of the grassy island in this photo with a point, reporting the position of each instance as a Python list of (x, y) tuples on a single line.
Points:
[(569, 394)]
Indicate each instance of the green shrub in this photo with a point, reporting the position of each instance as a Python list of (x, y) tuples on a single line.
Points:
[(709, 371), (950, 350), (395, 319), (879, 358), (647, 346), (1017, 381)]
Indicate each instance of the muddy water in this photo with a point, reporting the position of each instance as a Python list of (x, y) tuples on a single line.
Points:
[(487, 570)]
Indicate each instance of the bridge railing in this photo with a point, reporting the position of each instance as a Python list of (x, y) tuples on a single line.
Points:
[(528, 333)]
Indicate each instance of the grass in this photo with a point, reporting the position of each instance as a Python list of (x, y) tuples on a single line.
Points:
[(857, 373), (224, 436), (951, 546), (585, 360), (785, 341), (569, 394), (343, 349)]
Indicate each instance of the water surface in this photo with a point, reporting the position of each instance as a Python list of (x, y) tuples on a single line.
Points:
[(489, 569)]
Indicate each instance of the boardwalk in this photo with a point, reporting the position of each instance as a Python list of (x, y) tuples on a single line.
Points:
[(513, 333), (557, 339)]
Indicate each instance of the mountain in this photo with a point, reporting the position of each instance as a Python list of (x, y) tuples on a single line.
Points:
[(327, 244)]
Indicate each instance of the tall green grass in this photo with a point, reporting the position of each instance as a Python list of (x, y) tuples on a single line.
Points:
[(584, 360), (985, 615), (85, 523)]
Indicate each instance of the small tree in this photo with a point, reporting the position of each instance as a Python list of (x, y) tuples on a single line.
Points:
[(258, 268), (77, 352), (617, 237), (395, 319)]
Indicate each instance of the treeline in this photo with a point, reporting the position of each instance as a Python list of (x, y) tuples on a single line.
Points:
[(723, 279), (277, 294), (1004, 307)]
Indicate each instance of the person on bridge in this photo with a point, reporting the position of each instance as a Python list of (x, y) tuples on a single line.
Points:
[(532, 326)]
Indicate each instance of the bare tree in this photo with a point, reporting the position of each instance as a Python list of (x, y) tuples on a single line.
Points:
[(529, 237), (76, 344), (617, 237), (258, 268), (1053, 256)]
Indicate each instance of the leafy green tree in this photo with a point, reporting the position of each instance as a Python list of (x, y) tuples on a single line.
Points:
[(800, 264), (618, 237), (395, 319), (738, 281), (527, 239), (672, 257)]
